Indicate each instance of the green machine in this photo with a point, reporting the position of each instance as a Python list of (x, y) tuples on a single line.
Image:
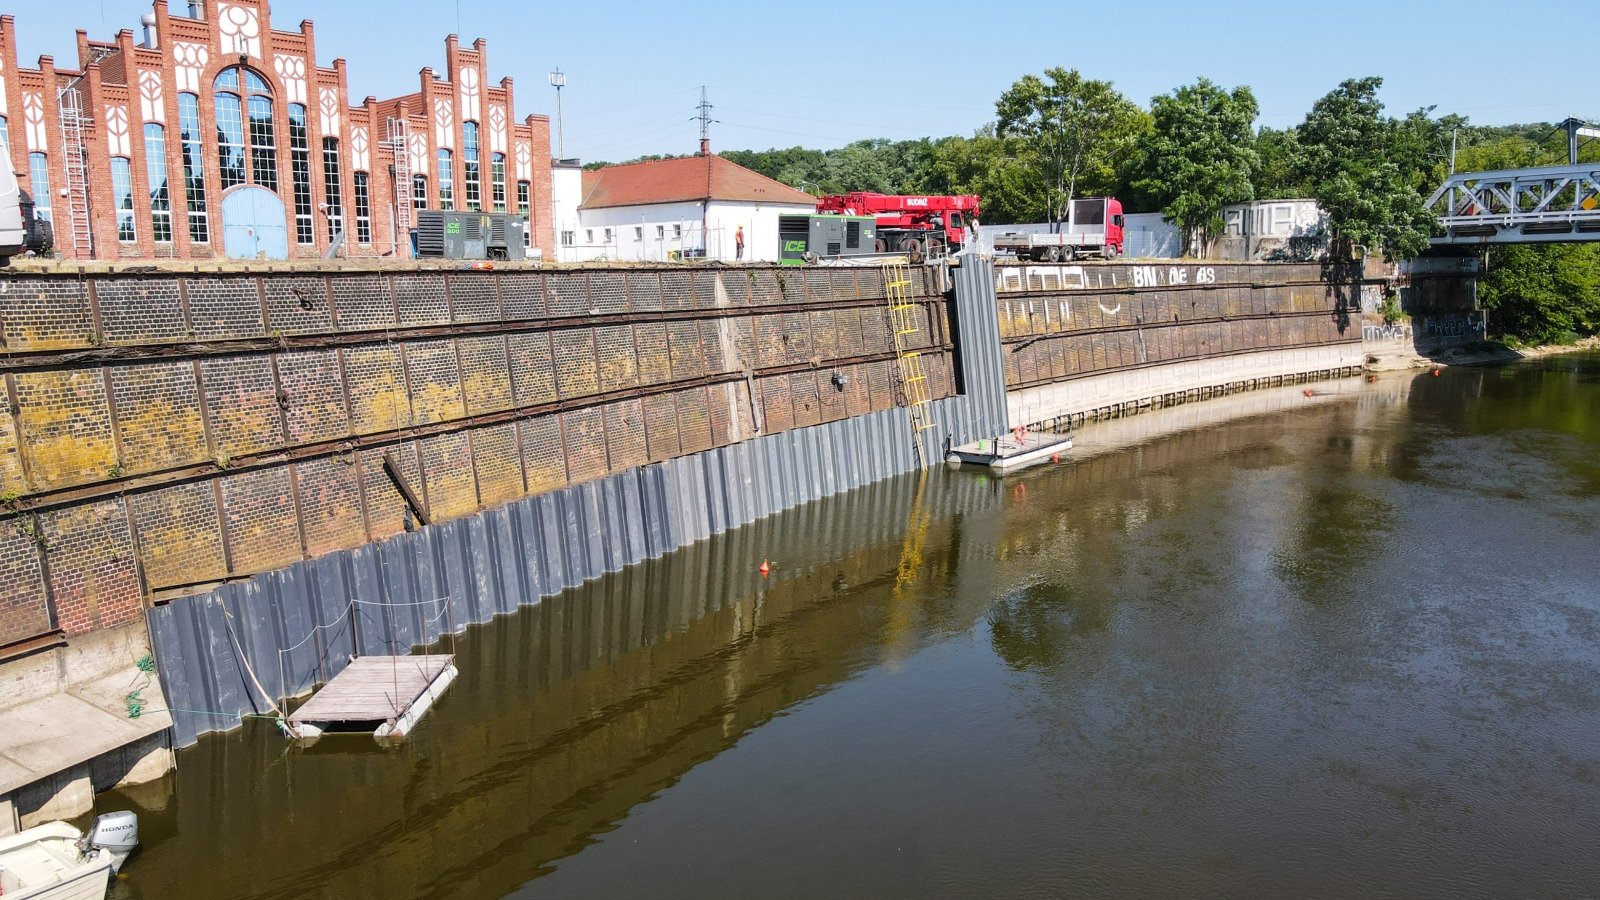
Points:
[(808, 238)]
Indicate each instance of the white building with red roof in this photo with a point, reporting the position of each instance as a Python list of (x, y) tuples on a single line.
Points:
[(653, 211)]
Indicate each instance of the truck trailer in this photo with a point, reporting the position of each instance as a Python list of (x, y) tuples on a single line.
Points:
[(1093, 227)]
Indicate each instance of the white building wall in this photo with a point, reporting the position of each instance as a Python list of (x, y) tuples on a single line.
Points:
[(760, 221), (656, 232), (566, 192), (651, 233)]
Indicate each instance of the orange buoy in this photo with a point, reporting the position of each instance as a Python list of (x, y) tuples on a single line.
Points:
[(1372, 379), (764, 568), (1055, 457), (1436, 372), (1307, 392)]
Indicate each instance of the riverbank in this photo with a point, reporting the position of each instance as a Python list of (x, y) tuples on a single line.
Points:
[(1465, 356), (1478, 353)]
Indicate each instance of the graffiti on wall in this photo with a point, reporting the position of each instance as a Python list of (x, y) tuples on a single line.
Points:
[(1061, 277), (1468, 325), (1400, 331)]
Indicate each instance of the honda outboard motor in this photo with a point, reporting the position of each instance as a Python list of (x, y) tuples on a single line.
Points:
[(116, 833)]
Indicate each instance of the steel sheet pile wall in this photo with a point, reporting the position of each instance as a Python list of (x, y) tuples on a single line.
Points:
[(980, 364), (167, 430), (666, 654), (1080, 338), (387, 597)]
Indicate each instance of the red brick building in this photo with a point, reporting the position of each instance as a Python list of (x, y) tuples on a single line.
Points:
[(214, 135)]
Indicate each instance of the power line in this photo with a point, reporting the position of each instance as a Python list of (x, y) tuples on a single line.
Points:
[(757, 112), (857, 100), (629, 105)]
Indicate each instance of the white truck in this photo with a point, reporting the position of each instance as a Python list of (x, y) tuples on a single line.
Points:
[(13, 233), (1093, 228)]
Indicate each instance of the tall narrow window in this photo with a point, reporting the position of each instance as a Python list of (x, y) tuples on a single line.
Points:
[(497, 180), (230, 140), (194, 169), (122, 197), (263, 144), (525, 210), (363, 209), (471, 170), (419, 192), (5, 133), (39, 171), (330, 186), (155, 171), (305, 231), (447, 181)]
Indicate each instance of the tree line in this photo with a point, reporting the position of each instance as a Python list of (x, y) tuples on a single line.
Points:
[(1196, 149)]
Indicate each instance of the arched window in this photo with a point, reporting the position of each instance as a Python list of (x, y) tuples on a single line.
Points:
[(447, 181), (155, 171), (363, 200), (194, 167), (39, 172), (333, 196), (471, 171), (241, 96), (300, 172), (497, 179), (122, 197)]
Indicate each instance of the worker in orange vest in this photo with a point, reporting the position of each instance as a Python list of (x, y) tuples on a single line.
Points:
[(738, 243)]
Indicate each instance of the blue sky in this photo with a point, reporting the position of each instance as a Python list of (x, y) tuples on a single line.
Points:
[(821, 73)]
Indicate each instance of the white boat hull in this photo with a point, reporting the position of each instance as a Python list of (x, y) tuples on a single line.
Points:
[(44, 863)]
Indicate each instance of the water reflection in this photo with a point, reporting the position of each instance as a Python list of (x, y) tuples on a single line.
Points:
[(1343, 645)]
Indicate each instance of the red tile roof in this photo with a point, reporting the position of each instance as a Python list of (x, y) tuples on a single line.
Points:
[(689, 178)]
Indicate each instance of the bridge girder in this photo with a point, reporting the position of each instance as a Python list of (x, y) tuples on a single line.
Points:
[(1520, 206)]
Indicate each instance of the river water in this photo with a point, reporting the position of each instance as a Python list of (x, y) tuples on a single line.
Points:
[(1337, 645)]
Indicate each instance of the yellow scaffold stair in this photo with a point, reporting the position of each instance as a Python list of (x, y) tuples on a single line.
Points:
[(905, 326)]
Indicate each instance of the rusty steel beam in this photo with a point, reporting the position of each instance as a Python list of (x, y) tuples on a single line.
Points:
[(19, 360), (391, 465)]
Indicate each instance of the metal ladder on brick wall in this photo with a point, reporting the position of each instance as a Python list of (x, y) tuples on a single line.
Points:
[(73, 153), (905, 325), (400, 140)]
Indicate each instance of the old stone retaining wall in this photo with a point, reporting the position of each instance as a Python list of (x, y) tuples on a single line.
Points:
[(165, 431)]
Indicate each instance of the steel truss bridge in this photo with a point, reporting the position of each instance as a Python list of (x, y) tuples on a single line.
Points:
[(1519, 206)]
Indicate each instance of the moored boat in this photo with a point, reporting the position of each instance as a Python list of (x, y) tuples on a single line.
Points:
[(56, 861)]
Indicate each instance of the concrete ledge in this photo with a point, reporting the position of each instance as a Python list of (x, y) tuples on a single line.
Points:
[(65, 732), (1050, 402)]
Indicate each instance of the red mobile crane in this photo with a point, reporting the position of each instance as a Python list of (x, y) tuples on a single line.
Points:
[(918, 225)]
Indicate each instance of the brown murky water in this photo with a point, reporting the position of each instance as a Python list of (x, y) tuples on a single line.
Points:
[(1348, 645)]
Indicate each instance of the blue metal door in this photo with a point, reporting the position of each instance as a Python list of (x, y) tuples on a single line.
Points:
[(253, 224)]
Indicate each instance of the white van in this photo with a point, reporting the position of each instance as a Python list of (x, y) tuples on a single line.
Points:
[(13, 236)]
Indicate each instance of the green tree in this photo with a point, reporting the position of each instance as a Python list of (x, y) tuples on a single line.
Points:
[(1199, 157), (1345, 159), (1542, 293), (1074, 130), (991, 167), (1278, 177)]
